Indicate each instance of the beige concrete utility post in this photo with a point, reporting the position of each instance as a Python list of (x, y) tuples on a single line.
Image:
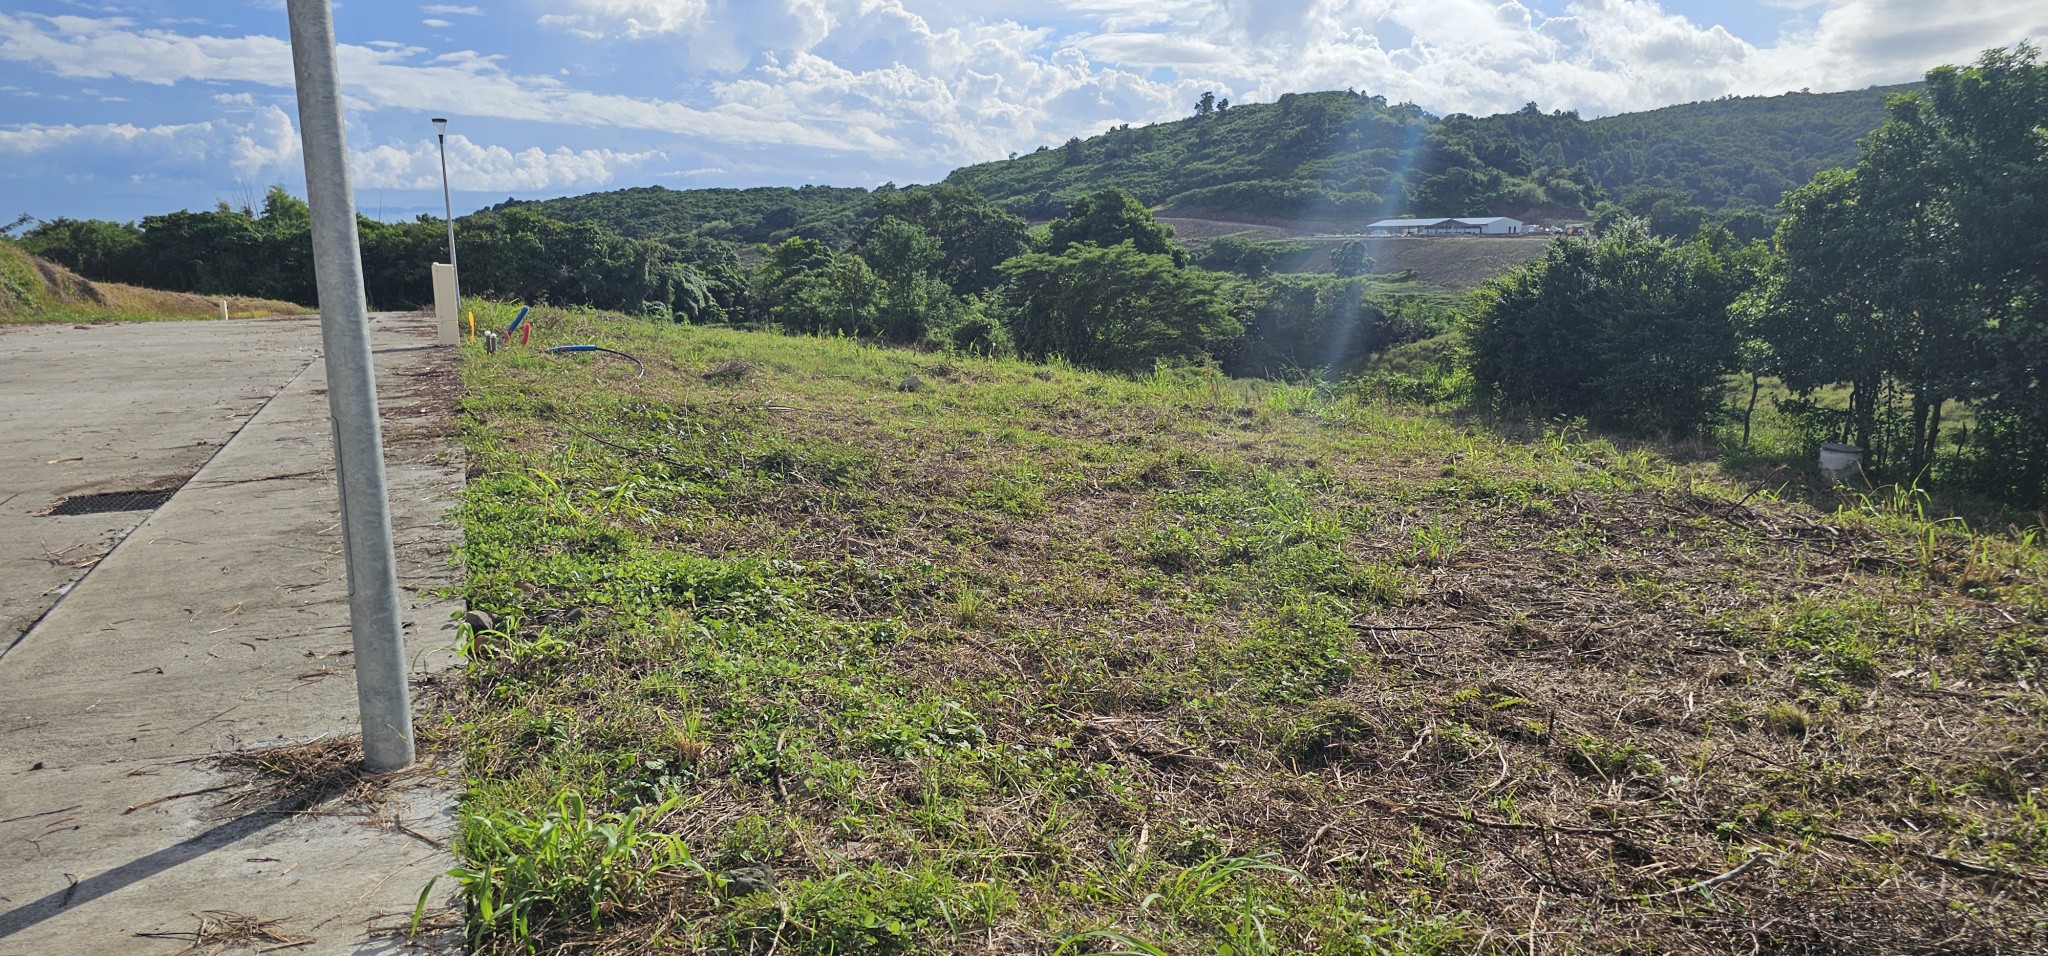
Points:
[(447, 287), (447, 305)]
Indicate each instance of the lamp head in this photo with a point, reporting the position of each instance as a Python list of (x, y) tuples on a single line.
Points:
[(440, 126)]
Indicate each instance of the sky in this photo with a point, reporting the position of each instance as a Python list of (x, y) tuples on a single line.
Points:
[(119, 110)]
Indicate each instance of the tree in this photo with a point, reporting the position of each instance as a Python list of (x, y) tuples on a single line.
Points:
[(1820, 318), (515, 252), (1115, 307), (1669, 212), (1351, 259), (803, 286), (285, 213), (396, 260), (1981, 131), (1321, 325), (93, 248), (1111, 217), (212, 253), (1246, 257), (522, 255), (1205, 105), (902, 257), (1632, 332), (1918, 278), (975, 235)]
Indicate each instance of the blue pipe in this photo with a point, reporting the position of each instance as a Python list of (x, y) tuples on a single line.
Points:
[(521, 317)]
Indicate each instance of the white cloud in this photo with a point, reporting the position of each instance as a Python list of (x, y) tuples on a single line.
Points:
[(1858, 38), (269, 144), (267, 149), (449, 10), (170, 140), (631, 18), (939, 93), (489, 168), (437, 24), (392, 78)]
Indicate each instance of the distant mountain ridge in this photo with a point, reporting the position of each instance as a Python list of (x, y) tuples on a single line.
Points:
[(1341, 156)]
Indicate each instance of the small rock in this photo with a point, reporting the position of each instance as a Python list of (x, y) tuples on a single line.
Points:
[(910, 383), (38, 766), (479, 621), (747, 880)]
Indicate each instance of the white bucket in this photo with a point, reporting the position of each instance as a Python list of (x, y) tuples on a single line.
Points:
[(1838, 463)]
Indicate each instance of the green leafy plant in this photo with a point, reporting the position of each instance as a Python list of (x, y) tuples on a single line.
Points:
[(523, 872)]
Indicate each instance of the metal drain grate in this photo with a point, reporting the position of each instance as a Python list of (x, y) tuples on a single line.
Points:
[(112, 502)]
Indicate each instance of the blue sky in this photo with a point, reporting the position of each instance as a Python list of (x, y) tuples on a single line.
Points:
[(123, 109)]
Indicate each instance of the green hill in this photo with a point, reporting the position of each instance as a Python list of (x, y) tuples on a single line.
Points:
[(1337, 158), (733, 215), (1344, 157), (1740, 150)]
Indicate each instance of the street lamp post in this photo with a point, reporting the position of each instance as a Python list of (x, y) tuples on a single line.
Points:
[(373, 613), (447, 199)]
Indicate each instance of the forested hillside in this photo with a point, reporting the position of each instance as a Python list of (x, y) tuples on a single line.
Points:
[(1347, 157), (1734, 152), (733, 215)]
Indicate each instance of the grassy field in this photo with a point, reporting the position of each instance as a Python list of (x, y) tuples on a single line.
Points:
[(791, 658), (33, 291)]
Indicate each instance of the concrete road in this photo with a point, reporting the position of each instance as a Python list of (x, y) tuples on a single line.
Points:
[(108, 408), (215, 624)]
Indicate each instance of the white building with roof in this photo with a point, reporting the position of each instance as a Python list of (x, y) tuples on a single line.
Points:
[(1484, 226)]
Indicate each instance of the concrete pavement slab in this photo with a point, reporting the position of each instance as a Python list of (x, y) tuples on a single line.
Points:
[(116, 407), (219, 625)]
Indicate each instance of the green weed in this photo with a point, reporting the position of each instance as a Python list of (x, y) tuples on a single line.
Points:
[(524, 873)]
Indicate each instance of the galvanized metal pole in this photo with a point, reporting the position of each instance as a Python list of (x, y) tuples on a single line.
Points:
[(448, 204), (374, 620)]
